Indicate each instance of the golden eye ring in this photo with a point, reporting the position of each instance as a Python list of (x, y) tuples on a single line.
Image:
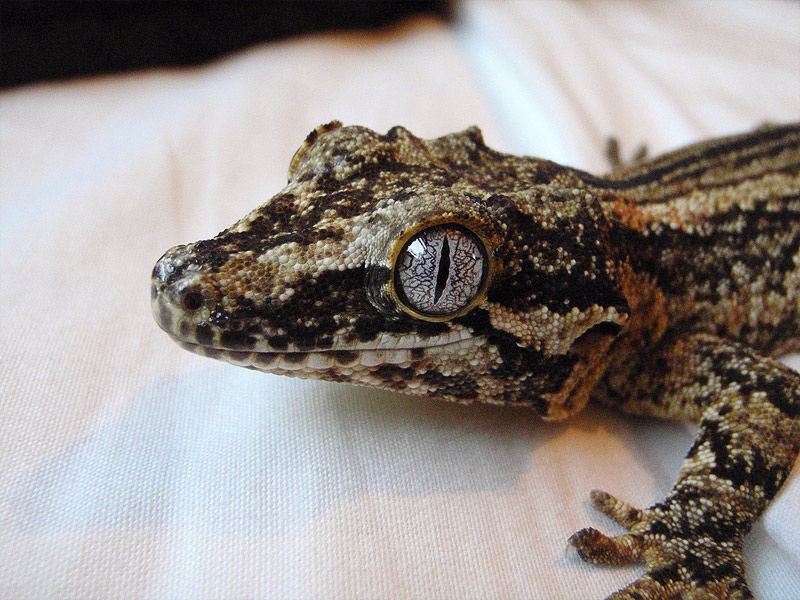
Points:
[(440, 270)]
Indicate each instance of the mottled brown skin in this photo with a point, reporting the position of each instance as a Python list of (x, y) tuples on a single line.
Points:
[(664, 289)]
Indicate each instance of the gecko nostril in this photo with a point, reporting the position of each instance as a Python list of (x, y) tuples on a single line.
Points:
[(192, 300)]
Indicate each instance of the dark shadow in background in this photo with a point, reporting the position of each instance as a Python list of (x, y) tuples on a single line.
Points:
[(45, 40)]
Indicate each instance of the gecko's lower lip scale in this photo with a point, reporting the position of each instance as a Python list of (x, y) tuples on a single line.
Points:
[(447, 269), (322, 359), (306, 361)]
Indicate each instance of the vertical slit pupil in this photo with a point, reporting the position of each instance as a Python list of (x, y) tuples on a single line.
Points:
[(444, 270)]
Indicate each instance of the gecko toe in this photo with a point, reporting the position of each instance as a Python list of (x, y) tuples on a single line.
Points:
[(645, 588), (598, 548), (615, 509), (654, 586)]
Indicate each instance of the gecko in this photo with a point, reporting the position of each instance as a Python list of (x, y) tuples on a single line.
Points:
[(447, 269)]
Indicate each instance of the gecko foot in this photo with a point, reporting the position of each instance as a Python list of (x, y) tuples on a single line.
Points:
[(687, 550), (614, 155)]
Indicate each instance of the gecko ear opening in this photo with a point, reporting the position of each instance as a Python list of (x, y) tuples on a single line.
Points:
[(311, 138)]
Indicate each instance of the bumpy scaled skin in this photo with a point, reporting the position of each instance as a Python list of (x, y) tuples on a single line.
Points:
[(444, 268)]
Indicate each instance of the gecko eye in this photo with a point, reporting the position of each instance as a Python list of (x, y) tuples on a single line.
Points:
[(441, 271)]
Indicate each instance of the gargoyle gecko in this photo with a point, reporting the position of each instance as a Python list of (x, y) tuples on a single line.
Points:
[(444, 268)]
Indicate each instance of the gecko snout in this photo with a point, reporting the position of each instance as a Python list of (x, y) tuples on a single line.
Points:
[(181, 297)]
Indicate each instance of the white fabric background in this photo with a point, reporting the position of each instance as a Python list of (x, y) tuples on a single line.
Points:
[(132, 469)]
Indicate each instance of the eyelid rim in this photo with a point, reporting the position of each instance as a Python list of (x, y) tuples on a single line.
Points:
[(472, 226)]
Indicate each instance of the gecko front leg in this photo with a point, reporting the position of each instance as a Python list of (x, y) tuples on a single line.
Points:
[(749, 436)]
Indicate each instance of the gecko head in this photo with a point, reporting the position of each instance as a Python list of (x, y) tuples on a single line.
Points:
[(404, 264)]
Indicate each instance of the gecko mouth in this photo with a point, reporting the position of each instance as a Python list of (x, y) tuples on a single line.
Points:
[(341, 361)]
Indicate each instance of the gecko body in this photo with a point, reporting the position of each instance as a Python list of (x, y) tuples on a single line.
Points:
[(444, 268)]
